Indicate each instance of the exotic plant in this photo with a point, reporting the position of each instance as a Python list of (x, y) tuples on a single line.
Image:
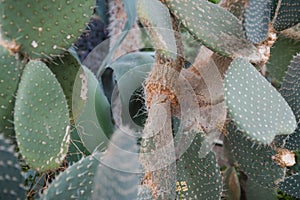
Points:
[(144, 122)]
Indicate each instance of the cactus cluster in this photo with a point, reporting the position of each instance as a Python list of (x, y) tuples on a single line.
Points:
[(133, 130)]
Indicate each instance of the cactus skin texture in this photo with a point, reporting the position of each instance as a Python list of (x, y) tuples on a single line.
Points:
[(11, 180), (41, 118), (254, 191), (198, 178), (10, 73), (44, 29), (76, 182), (216, 28), (257, 19), (290, 90), (253, 158), (280, 60), (288, 14), (254, 105), (291, 186)]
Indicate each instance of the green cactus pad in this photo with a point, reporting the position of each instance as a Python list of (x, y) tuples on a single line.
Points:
[(118, 175), (66, 69), (288, 14), (44, 29), (291, 186), (198, 178), (290, 88), (257, 19), (156, 19), (10, 73), (254, 191), (11, 180), (292, 141), (279, 59), (76, 182), (94, 124), (254, 105), (252, 158), (215, 27), (41, 118)]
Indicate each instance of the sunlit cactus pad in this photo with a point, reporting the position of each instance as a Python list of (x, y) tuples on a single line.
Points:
[(41, 118), (254, 105), (44, 29), (11, 180)]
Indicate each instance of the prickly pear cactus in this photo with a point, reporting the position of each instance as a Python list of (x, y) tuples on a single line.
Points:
[(257, 19), (198, 178), (290, 88), (254, 105), (41, 118), (253, 158), (11, 179), (67, 70), (44, 29), (76, 182), (216, 28), (288, 14), (10, 73), (291, 185)]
